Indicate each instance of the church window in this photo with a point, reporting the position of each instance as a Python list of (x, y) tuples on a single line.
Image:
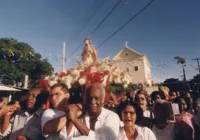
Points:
[(126, 54), (127, 69), (136, 68)]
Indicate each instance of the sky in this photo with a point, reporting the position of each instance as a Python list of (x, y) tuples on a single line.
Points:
[(166, 29)]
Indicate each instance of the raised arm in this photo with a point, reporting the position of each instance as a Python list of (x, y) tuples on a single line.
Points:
[(52, 122), (109, 130)]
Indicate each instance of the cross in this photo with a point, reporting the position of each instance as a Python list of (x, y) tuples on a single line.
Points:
[(126, 44)]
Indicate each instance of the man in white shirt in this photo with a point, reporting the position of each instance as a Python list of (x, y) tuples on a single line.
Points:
[(54, 120), (12, 127), (98, 123)]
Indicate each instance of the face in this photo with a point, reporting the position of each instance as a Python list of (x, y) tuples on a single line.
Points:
[(31, 99), (57, 96), (177, 93), (158, 97), (94, 100), (182, 105), (174, 94), (158, 112), (188, 95), (141, 101), (129, 116), (197, 108), (87, 41)]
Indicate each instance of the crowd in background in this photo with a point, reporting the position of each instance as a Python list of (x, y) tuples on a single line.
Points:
[(134, 115)]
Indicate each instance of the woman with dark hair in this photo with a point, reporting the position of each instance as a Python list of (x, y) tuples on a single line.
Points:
[(129, 130), (184, 115), (142, 102)]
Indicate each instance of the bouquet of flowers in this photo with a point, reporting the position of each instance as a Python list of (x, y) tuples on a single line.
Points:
[(101, 72)]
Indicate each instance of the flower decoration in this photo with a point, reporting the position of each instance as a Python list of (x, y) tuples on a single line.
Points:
[(101, 72)]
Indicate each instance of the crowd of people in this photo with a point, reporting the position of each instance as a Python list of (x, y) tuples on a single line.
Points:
[(135, 115)]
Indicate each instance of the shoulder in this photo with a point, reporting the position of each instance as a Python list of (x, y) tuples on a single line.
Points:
[(52, 113), (143, 129), (109, 115), (145, 132), (189, 114), (107, 112)]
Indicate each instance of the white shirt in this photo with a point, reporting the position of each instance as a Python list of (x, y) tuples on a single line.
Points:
[(106, 127), (144, 133), (51, 114), (147, 114), (168, 133), (17, 124)]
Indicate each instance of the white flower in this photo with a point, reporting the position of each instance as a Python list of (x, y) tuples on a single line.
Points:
[(126, 79), (82, 81), (93, 69), (75, 73), (67, 81), (47, 78), (125, 85), (51, 83), (105, 78), (117, 79)]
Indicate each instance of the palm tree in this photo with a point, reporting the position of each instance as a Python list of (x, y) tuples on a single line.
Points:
[(181, 60)]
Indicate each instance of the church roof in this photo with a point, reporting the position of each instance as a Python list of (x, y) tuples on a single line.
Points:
[(128, 53)]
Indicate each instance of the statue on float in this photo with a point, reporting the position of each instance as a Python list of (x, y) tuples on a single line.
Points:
[(89, 54)]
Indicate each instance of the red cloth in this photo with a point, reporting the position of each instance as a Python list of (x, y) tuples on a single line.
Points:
[(44, 85)]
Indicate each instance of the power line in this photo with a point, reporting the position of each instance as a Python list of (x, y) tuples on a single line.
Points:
[(132, 18), (93, 11), (116, 5), (197, 59)]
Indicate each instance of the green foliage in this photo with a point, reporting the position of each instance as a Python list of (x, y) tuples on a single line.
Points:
[(171, 80), (180, 60), (18, 59), (117, 88), (196, 79)]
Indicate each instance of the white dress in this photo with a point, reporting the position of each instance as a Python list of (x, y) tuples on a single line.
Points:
[(144, 133)]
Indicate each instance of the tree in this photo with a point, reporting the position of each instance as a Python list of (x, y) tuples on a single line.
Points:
[(181, 61), (196, 79), (18, 59), (171, 80)]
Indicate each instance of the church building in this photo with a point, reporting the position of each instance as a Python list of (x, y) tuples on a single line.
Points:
[(135, 64)]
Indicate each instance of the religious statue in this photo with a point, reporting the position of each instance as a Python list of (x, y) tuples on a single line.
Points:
[(89, 54)]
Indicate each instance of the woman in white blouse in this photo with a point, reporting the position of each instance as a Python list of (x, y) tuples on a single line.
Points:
[(128, 130), (141, 100)]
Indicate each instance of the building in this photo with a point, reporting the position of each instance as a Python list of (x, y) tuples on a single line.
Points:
[(135, 64)]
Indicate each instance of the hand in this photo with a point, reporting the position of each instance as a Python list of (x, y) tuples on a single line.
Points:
[(114, 98), (21, 138), (10, 111), (75, 111), (165, 91), (63, 104)]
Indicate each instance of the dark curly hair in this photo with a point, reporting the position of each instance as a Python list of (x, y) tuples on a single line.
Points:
[(123, 105)]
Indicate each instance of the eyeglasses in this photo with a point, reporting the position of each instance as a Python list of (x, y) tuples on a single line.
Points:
[(126, 113)]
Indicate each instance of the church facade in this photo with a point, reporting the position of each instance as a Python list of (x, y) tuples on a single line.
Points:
[(135, 64)]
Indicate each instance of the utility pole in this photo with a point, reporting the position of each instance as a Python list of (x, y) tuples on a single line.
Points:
[(197, 59), (184, 76), (63, 69)]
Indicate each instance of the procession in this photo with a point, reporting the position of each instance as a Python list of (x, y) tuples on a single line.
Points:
[(107, 90)]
